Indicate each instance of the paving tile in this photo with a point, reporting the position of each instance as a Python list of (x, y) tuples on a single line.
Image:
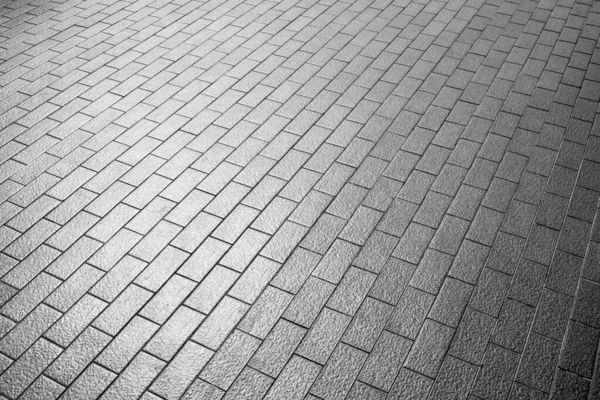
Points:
[(323, 233), (466, 202), (306, 305), (561, 181), (334, 179), (236, 257), (250, 384), (277, 348), (67, 294), (539, 359), (231, 228), (117, 279), (552, 210), (167, 299), (449, 180), (375, 252), (583, 204), (451, 231), (349, 198), (568, 384), (519, 218), (383, 365), (43, 387), (25, 271), (181, 371), (414, 243), (472, 336), (71, 206), (485, 226), (72, 231), (525, 392), (212, 288), (126, 344), (134, 379), (30, 296), (392, 281), (337, 376), (528, 282), (529, 189), (590, 270), (24, 371), (481, 173), (367, 324), (410, 385), (35, 236), (577, 355), (360, 390), (360, 226), (173, 333), (227, 363), (351, 291), (587, 295), (433, 209), (490, 292), (274, 215), (187, 239), (469, 261), (451, 302), (321, 339), (281, 245), (264, 313), (428, 351), (455, 379), (111, 252), (28, 331), (321, 182), (573, 236), (563, 273), (498, 370), (216, 327), (540, 244), (431, 271), (33, 213), (295, 380), (513, 324), (92, 382)]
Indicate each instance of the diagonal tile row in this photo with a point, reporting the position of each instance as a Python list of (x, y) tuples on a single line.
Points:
[(300, 199)]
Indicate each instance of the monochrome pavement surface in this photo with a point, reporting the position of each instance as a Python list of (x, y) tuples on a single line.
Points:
[(299, 199)]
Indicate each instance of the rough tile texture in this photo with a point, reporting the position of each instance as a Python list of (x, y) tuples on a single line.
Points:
[(300, 199)]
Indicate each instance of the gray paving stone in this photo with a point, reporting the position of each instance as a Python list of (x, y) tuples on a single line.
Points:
[(383, 365), (455, 379), (180, 372), (299, 199), (498, 371), (337, 376), (296, 379), (472, 337), (539, 360), (427, 354), (410, 385), (577, 356), (513, 323)]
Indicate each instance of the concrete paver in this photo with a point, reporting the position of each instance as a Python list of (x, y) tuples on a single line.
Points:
[(300, 199)]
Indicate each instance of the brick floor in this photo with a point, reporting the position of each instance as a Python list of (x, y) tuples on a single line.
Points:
[(300, 199)]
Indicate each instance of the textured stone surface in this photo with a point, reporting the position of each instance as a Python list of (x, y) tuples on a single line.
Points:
[(300, 199)]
